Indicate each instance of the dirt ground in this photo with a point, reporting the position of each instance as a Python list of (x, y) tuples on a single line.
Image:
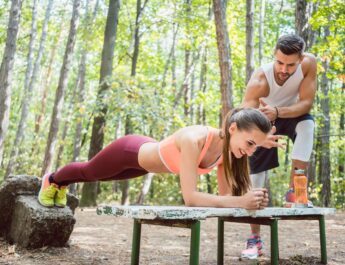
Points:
[(107, 240)]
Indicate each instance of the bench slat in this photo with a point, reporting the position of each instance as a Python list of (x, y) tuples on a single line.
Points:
[(200, 213)]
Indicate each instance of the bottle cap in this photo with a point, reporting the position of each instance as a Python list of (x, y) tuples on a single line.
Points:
[(299, 171)]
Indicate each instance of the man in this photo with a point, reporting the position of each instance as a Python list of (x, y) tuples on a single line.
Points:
[(284, 90)]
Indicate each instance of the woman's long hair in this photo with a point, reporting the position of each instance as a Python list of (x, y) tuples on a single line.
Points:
[(237, 169)]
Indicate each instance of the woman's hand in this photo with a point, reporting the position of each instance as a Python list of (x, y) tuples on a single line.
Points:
[(255, 199)]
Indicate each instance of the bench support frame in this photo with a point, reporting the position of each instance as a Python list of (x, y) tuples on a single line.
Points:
[(194, 225), (273, 223)]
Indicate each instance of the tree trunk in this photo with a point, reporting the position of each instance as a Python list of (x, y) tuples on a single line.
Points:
[(89, 191), (303, 12), (59, 96), (249, 39), (261, 31), (47, 84), (125, 183), (224, 54), (26, 100), (135, 56), (325, 172), (341, 159), (70, 109), (128, 126), (167, 64), (191, 97), (202, 86), (186, 84), (301, 19), (6, 70), (186, 80), (287, 152), (145, 188), (81, 92)]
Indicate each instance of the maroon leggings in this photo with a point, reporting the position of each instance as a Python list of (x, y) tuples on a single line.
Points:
[(118, 160)]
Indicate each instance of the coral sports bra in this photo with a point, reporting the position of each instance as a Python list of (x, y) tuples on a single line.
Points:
[(170, 155)]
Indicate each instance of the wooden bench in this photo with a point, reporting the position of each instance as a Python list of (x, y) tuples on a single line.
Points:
[(189, 217)]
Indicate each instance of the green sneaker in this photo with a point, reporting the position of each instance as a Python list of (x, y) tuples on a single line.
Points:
[(61, 197), (47, 192)]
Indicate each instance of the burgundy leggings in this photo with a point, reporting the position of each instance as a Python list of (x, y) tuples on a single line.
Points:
[(118, 160)]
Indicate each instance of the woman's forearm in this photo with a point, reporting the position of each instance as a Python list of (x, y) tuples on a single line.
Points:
[(200, 199)]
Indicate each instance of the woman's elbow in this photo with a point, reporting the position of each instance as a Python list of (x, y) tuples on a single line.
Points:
[(189, 201)]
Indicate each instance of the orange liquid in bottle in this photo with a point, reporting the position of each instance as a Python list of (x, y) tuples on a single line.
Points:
[(301, 184)]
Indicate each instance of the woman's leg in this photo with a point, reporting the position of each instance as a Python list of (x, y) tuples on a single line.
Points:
[(109, 164)]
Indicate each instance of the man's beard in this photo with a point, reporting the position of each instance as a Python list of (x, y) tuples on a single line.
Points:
[(283, 77)]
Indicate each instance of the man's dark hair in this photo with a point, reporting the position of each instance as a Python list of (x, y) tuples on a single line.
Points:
[(290, 44)]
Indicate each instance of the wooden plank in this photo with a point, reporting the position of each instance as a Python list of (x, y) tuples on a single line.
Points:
[(200, 213)]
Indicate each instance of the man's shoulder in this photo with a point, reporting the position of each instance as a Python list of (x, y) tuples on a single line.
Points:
[(308, 63), (258, 83), (308, 58), (259, 77)]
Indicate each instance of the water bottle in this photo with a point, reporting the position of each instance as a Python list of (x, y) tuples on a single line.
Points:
[(301, 185)]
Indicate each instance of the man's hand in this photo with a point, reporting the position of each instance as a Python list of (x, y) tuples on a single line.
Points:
[(268, 110), (272, 140)]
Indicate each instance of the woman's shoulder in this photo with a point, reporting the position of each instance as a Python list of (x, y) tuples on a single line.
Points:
[(193, 133)]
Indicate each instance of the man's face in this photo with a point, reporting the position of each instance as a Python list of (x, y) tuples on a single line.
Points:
[(285, 65)]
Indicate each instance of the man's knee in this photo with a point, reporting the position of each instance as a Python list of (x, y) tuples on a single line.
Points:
[(305, 128), (303, 144)]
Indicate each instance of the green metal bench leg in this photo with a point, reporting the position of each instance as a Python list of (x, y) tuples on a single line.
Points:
[(220, 248), (274, 242), (194, 243), (136, 242), (323, 239)]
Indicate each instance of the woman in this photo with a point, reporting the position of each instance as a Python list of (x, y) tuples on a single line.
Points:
[(188, 152)]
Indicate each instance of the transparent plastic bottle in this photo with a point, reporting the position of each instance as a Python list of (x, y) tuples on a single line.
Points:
[(301, 185)]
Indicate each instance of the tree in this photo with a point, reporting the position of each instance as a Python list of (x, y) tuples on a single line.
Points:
[(81, 91), (128, 122), (303, 12), (6, 70), (89, 191), (249, 39), (30, 79), (59, 96), (225, 65), (261, 30), (325, 171)]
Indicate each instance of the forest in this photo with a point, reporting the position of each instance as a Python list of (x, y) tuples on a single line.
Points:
[(77, 74)]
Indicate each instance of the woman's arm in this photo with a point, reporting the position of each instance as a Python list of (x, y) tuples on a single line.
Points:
[(223, 186), (190, 152)]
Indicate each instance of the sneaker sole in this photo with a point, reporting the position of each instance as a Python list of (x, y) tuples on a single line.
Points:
[(60, 206), (251, 257), (46, 205)]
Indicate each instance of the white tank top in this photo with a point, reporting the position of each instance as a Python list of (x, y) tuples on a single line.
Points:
[(285, 95)]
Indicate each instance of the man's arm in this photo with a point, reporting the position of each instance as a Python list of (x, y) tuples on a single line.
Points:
[(307, 91), (257, 88)]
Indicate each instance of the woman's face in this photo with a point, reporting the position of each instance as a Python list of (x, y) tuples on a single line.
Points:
[(245, 142)]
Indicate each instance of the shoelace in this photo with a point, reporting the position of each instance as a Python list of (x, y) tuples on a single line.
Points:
[(61, 193), (251, 242), (51, 190)]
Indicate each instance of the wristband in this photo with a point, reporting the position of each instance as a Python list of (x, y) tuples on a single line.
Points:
[(277, 112)]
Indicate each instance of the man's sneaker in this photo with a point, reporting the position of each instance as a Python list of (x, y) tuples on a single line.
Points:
[(47, 192), (61, 197), (253, 249)]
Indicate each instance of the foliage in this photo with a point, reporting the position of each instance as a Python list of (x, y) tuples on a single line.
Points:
[(149, 96)]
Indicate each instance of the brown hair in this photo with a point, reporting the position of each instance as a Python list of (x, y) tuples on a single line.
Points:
[(290, 44), (237, 169)]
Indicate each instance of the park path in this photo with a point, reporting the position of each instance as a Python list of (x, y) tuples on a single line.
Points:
[(103, 240)]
